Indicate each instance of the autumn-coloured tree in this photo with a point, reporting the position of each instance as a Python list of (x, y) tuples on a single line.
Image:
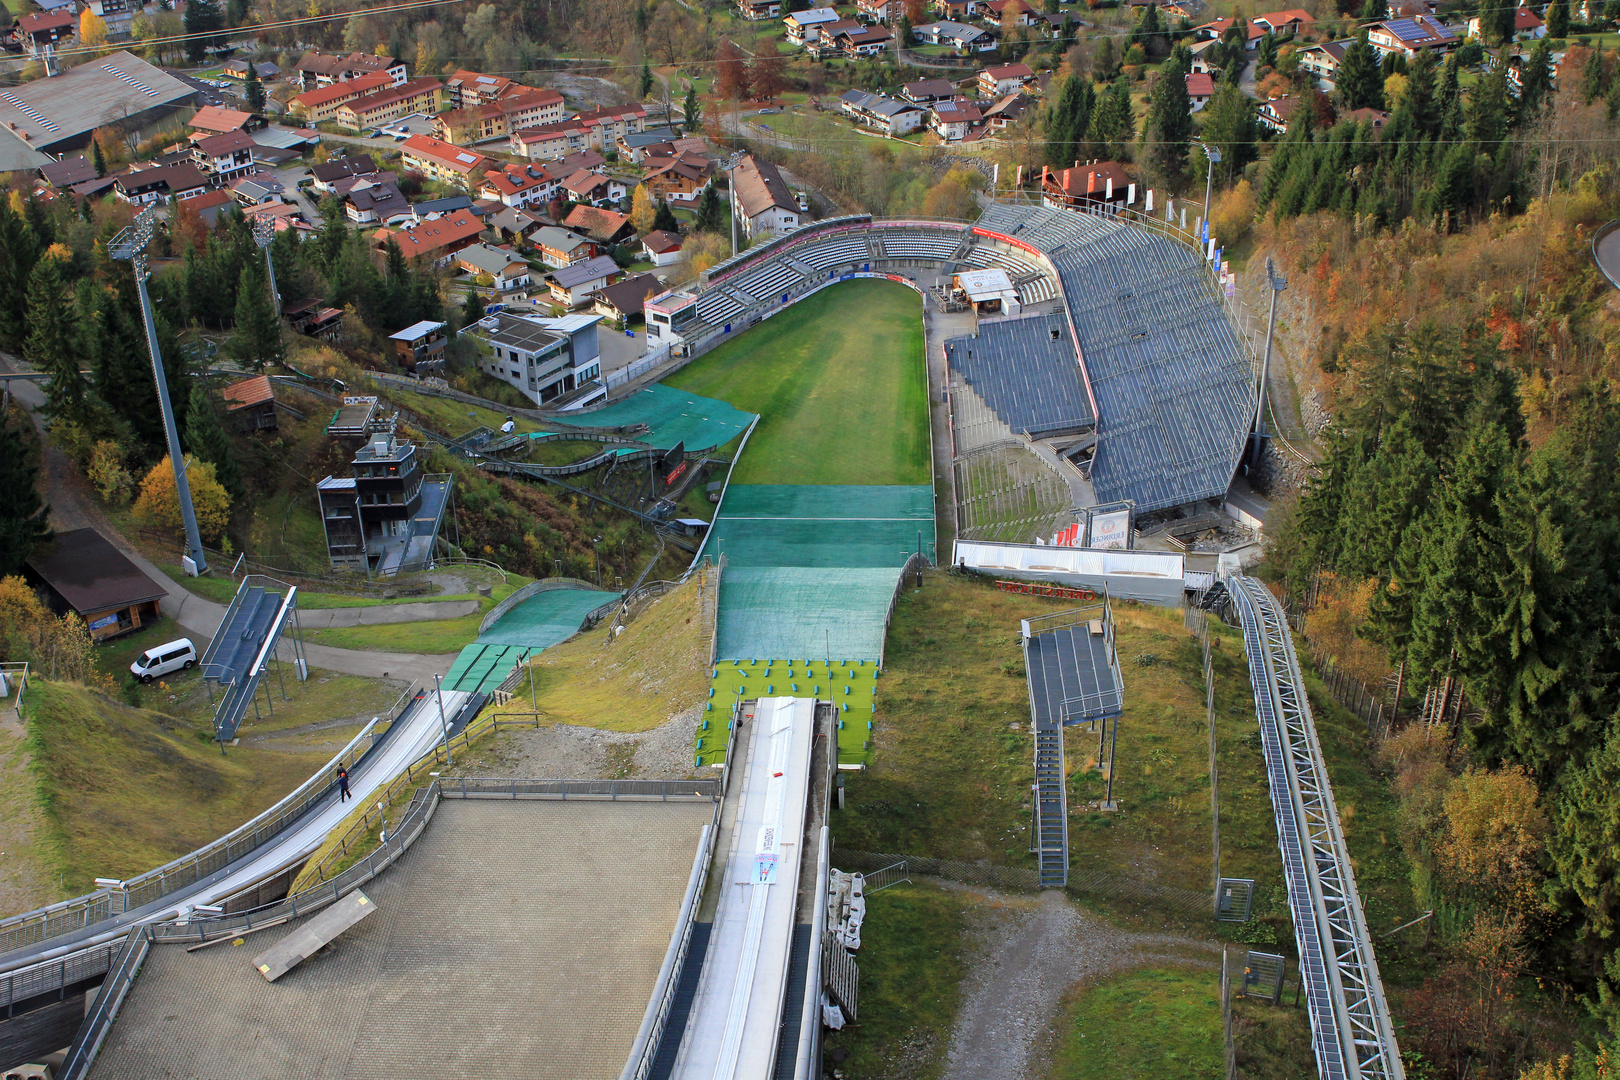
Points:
[(1495, 831), (765, 73), (731, 74), (916, 12), (159, 503), (92, 30), (643, 211)]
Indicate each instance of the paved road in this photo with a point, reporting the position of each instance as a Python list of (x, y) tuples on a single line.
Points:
[(73, 507)]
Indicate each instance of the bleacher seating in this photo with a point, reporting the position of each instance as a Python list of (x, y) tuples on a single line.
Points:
[(919, 245), (769, 281), (715, 307), (849, 249), (982, 256), (1037, 290)]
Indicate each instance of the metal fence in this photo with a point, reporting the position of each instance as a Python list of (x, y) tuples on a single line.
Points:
[(66, 916), (56, 976), (1353, 694), (1187, 903), (878, 880)]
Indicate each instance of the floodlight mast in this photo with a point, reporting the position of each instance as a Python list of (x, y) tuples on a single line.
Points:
[(130, 246), (264, 234), (1278, 283)]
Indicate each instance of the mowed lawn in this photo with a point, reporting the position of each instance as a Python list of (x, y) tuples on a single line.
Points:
[(838, 382)]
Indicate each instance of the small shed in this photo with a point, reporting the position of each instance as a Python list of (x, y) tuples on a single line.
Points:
[(252, 403), (990, 291), (82, 572)]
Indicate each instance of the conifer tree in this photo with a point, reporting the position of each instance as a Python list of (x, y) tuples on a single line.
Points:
[(1360, 79), (253, 89), (1068, 121), (23, 513), (693, 109), (1557, 19), (18, 251), (1169, 125), (204, 19), (52, 341), (257, 338), (207, 440)]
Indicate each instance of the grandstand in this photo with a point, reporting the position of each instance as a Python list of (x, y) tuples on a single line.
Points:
[(1148, 358)]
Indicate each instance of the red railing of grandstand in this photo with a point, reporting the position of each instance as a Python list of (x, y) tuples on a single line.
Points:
[(1043, 588)]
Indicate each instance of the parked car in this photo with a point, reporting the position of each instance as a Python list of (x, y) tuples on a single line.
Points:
[(160, 660)]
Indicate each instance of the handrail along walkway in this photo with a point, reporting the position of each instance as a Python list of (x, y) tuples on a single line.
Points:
[(1351, 1031)]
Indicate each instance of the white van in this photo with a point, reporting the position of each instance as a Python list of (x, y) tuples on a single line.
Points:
[(175, 655)]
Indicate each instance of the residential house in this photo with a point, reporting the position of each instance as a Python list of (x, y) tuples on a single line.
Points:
[(550, 141), (515, 226), (661, 248), (892, 116), (431, 209), (954, 120), (436, 241), (1276, 113), (1057, 23), (755, 10), (316, 68), (1322, 61), (623, 301), (959, 11), (208, 205), (390, 103), (251, 404), (1410, 36), (1008, 111), (519, 185), (257, 190), (39, 32), (213, 120), (883, 11), (507, 271), (928, 91), (1289, 23), (1217, 28), (1009, 15), (1527, 25), (826, 41), (1375, 117), (679, 179), (224, 157), (1096, 182), (238, 69), (1203, 56), (574, 284), (568, 164), (559, 247), (606, 125), (962, 38), (605, 228), (159, 183), (1200, 88), (872, 41), (444, 162), (525, 107), (420, 346), (765, 203), (996, 83), (594, 188), (544, 358), (313, 106), (62, 175), (803, 27), (465, 89), (637, 146), (118, 15), (374, 200), (326, 175)]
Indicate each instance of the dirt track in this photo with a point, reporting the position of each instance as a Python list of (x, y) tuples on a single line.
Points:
[(1032, 951)]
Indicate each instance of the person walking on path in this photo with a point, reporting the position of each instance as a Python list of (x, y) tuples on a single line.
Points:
[(343, 784)]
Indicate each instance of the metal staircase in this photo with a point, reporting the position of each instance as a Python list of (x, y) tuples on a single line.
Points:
[(238, 656), (1051, 806), (1351, 1031)]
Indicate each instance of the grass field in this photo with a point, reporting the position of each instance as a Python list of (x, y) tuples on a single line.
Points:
[(841, 399), (432, 637), (1143, 1025)]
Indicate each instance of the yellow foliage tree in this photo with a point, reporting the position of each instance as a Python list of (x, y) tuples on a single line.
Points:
[(92, 29), (1233, 213), (159, 501), (57, 648), (643, 212), (1495, 830)]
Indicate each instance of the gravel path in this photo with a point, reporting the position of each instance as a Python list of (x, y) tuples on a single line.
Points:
[(569, 752), (1032, 951)]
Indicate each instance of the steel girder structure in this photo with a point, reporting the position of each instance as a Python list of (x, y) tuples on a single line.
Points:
[(1351, 1031)]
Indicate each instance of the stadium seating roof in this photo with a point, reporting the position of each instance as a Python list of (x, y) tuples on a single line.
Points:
[(1173, 385)]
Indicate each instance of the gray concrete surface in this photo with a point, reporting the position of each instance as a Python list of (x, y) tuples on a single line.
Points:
[(1607, 253), (515, 939)]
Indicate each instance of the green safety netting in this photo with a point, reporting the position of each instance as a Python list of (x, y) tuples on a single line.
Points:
[(804, 612), (537, 623), (673, 416), (822, 526)]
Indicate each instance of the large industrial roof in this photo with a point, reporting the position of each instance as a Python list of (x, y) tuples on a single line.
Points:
[(45, 112)]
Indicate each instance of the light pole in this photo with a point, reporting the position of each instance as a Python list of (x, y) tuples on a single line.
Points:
[(1213, 156), (264, 233), (1278, 283), (444, 725), (130, 246), (730, 166)]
